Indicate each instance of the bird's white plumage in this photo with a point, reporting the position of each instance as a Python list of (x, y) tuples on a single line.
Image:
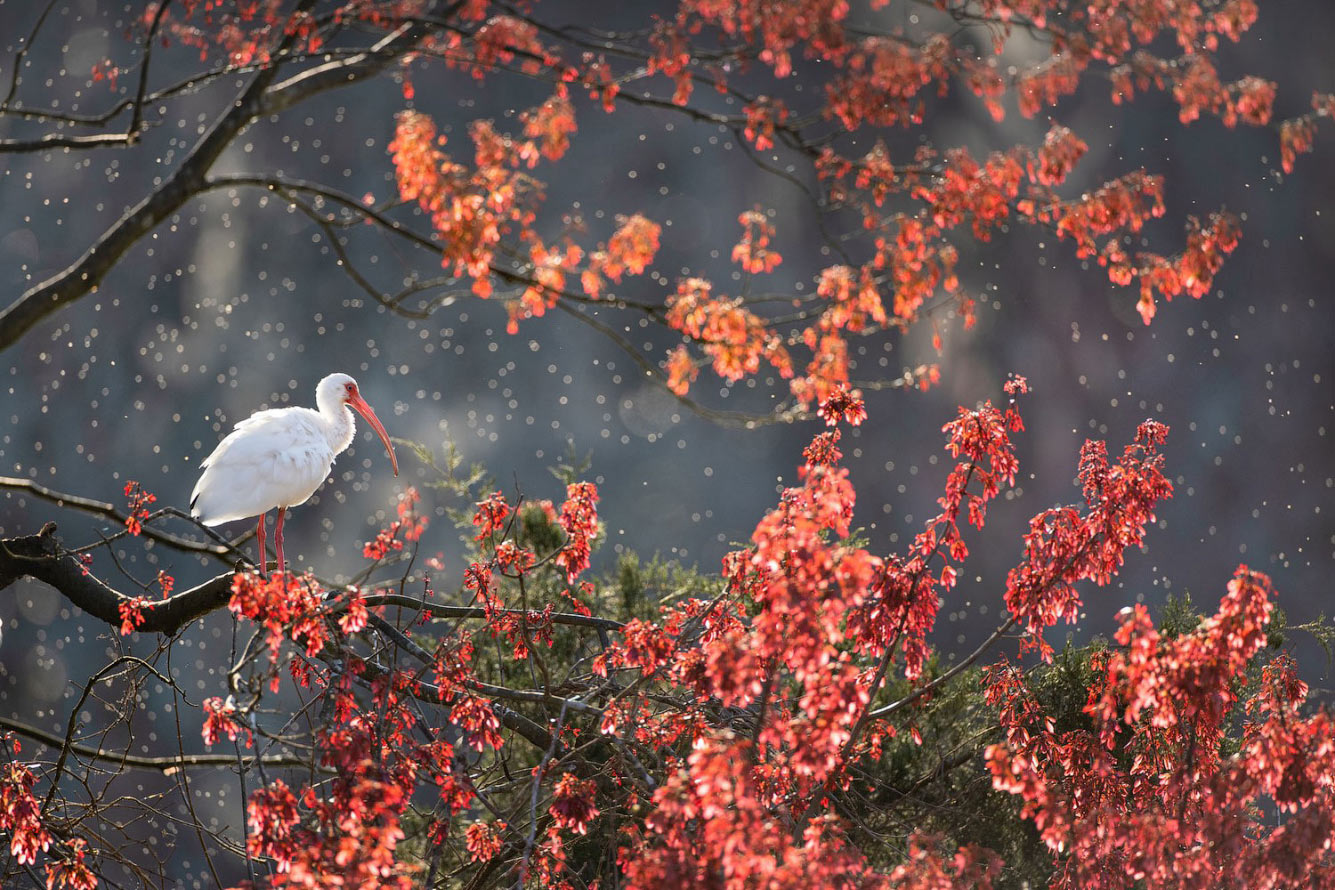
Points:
[(274, 458)]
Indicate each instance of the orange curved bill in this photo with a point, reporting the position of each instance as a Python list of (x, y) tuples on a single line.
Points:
[(358, 404)]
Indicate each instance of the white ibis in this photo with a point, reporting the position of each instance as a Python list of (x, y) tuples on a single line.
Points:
[(278, 458)]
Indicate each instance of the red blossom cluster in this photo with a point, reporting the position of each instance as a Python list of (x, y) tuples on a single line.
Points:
[(21, 817), (579, 518), (139, 499), (630, 250), (21, 812), (483, 840), (842, 406), (753, 252), (132, 613), (471, 209), (69, 868), (732, 336), (408, 527), (1064, 546), (220, 718), (1296, 135), (287, 608), (345, 834), (1149, 794), (715, 823), (572, 803), (762, 117)]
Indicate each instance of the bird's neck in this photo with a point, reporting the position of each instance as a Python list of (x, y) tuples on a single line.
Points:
[(339, 427)]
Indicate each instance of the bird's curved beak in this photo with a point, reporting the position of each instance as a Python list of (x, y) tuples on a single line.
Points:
[(358, 404)]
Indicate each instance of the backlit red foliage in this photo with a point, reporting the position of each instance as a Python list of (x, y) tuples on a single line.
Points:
[(917, 211), (139, 499), (733, 721), (731, 730), (1148, 794)]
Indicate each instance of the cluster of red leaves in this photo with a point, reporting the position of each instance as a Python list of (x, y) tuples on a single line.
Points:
[(248, 33), (106, 70), (21, 819), (928, 869), (753, 252), (715, 824), (346, 833), (572, 803), (762, 117), (630, 250), (732, 336), (220, 718), (579, 518), (21, 812), (1296, 135), (408, 527), (483, 840), (804, 610), (470, 209), (473, 209), (902, 606), (69, 869), (1064, 546), (842, 406), (139, 499), (132, 615), (495, 521), (489, 517), (1149, 794), (287, 607)]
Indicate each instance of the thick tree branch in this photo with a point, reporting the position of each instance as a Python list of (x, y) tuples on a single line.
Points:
[(40, 556)]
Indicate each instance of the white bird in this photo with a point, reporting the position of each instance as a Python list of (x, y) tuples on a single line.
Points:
[(278, 458)]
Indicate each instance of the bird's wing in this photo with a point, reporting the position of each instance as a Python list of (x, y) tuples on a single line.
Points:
[(264, 434), (254, 468)]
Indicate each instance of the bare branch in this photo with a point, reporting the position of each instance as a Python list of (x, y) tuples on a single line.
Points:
[(443, 611), (84, 276), (102, 508), (165, 765), (15, 76)]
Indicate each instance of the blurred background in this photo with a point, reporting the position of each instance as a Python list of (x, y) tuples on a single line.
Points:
[(236, 304)]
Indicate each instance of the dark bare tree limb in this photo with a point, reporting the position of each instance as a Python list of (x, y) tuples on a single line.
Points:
[(40, 556)]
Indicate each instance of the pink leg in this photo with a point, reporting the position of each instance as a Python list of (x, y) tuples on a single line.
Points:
[(278, 539), (263, 560)]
